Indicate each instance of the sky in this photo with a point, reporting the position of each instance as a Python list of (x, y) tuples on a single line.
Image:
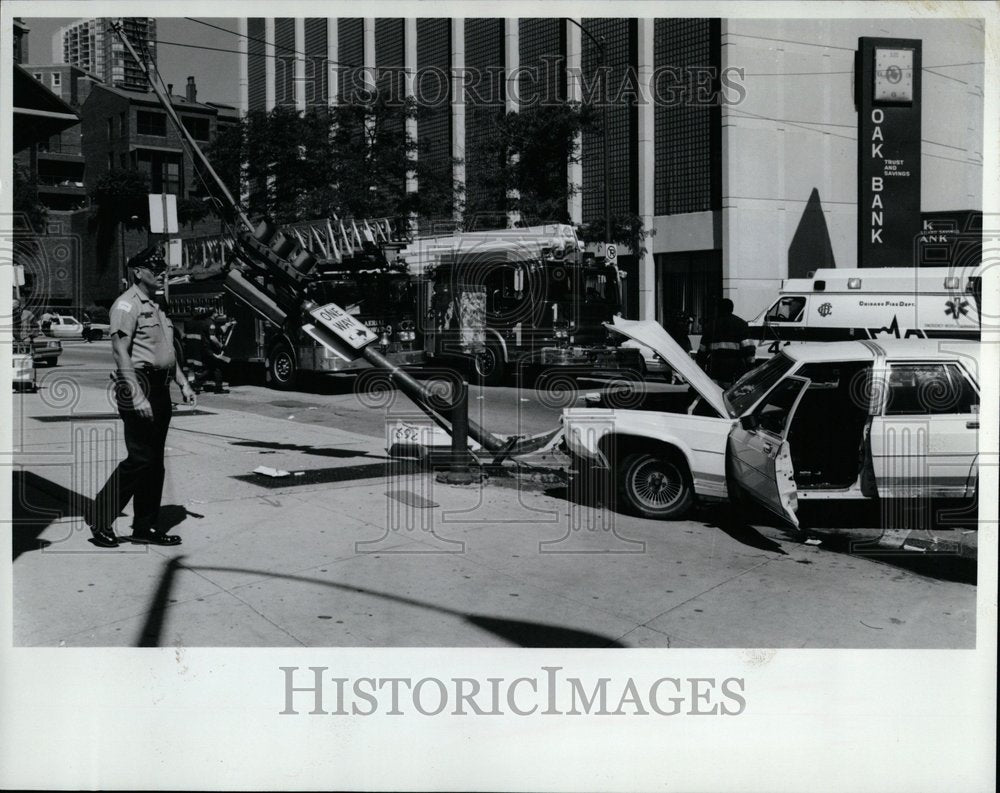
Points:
[(216, 74)]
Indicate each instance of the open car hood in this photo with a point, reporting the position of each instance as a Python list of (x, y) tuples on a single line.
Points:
[(655, 337)]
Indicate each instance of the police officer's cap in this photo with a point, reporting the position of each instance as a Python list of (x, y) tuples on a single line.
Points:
[(150, 258)]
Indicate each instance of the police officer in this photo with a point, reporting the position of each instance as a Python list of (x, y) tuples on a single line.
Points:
[(726, 351), (143, 349)]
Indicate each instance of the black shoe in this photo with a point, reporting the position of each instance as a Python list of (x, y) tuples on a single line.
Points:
[(104, 537), (154, 537)]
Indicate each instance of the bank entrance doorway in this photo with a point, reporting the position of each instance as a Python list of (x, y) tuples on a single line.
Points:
[(689, 282)]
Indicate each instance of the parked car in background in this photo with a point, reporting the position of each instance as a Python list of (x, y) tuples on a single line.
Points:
[(62, 326), (893, 419), (23, 377), (95, 331), (45, 352)]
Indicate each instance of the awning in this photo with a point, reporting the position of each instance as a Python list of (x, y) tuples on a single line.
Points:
[(38, 113)]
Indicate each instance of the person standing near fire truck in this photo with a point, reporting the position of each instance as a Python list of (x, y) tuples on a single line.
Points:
[(726, 350), (143, 349)]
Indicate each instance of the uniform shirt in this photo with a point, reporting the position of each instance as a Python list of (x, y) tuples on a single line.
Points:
[(150, 334)]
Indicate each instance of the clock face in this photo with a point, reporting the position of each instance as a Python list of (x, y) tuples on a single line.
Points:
[(893, 75)]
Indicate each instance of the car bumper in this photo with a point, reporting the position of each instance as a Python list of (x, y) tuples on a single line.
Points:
[(49, 352), (24, 373), (583, 430), (608, 359)]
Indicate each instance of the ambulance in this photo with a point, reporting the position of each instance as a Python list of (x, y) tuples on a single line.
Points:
[(872, 303)]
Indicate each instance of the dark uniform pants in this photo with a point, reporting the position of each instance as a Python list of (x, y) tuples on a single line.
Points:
[(140, 475)]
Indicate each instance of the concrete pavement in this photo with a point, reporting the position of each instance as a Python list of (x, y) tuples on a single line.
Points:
[(358, 551)]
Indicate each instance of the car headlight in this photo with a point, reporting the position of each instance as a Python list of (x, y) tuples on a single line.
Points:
[(406, 331)]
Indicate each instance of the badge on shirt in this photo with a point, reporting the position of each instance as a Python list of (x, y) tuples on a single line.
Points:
[(123, 305)]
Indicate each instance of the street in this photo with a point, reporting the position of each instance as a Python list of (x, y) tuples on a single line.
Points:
[(343, 547)]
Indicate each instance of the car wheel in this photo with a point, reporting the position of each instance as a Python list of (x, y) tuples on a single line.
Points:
[(489, 366), (655, 486), (282, 368)]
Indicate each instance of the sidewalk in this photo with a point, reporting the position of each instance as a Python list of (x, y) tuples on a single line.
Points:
[(350, 553)]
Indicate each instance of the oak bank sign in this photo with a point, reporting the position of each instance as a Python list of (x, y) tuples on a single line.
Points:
[(887, 95)]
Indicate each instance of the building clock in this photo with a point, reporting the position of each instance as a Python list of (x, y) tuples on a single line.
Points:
[(893, 75)]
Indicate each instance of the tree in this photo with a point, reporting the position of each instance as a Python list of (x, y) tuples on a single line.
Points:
[(529, 152), (351, 160), (120, 197), (627, 230), (26, 201), (191, 210), (120, 200)]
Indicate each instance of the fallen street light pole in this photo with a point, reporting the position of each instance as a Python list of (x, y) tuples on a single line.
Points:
[(344, 335), (425, 398)]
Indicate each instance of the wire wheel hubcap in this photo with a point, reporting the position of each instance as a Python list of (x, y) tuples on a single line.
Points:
[(657, 484)]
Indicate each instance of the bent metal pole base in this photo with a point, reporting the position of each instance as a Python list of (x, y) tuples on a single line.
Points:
[(424, 398)]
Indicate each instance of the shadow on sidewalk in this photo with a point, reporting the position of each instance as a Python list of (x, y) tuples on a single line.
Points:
[(736, 526), (522, 633), (38, 503), (320, 451)]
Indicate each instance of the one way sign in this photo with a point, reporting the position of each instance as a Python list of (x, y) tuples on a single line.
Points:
[(339, 332)]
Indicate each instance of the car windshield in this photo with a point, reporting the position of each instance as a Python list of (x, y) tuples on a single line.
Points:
[(746, 391)]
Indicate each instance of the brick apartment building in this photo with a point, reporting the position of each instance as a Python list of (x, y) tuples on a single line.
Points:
[(129, 130)]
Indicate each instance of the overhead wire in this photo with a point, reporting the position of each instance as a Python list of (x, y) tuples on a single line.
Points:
[(286, 50), (803, 125), (154, 72)]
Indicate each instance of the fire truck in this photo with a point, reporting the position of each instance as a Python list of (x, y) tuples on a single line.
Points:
[(494, 303), (352, 269), (518, 301)]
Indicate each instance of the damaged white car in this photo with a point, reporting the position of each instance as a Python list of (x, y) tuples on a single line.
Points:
[(835, 420)]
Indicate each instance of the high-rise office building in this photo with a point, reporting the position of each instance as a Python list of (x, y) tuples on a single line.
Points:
[(91, 45), (734, 140)]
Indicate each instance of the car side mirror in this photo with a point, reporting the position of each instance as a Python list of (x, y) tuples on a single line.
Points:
[(749, 422)]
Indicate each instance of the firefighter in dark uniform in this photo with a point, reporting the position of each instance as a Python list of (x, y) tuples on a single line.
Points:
[(726, 351), (143, 349)]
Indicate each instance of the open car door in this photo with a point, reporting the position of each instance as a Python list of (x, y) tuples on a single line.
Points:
[(759, 453)]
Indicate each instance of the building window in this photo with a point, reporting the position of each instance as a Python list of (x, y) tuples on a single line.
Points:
[(38, 76), (56, 80), (111, 129), (687, 138), (151, 123), (122, 122), (198, 127), (172, 177), (162, 169)]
